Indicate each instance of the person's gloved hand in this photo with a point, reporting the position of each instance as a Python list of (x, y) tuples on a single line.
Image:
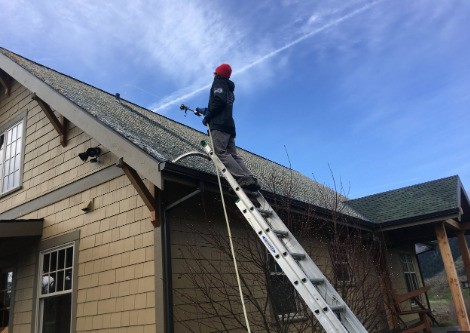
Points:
[(202, 111), (205, 120)]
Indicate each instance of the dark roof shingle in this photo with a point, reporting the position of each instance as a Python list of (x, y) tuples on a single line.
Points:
[(434, 198), (165, 139)]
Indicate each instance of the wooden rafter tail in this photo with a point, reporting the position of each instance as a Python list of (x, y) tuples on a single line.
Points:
[(148, 198), (60, 125)]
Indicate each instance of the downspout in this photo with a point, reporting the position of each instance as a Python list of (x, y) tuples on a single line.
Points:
[(166, 254)]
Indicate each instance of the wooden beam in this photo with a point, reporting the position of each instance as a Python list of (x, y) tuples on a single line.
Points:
[(452, 278), (465, 253), (59, 125), (452, 223), (465, 226), (5, 81), (456, 225), (147, 196)]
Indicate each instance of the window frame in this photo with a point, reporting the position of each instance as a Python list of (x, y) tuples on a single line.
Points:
[(409, 274), (8, 289), (42, 297), (21, 146), (341, 258), (47, 246), (275, 270)]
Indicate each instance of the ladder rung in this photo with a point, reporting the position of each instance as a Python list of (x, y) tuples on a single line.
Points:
[(298, 256), (281, 233), (265, 213), (317, 281), (321, 297), (338, 308)]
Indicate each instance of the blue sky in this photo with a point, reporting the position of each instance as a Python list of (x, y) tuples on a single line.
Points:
[(378, 91)]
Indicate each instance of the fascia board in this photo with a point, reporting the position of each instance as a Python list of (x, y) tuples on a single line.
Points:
[(145, 165)]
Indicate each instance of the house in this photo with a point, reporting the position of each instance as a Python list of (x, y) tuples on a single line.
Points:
[(108, 225)]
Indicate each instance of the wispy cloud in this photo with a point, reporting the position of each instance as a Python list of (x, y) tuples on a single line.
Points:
[(334, 22)]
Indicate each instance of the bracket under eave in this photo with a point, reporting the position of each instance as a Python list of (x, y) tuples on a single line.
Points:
[(60, 125), (149, 199), (5, 81)]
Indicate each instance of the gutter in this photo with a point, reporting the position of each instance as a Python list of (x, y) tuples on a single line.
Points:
[(425, 219), (176, 171)]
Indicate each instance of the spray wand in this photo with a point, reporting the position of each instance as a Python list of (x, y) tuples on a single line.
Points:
[(186, 109)]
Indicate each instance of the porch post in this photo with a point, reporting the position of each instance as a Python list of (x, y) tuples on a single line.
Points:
[(452, 278), (465, 253)]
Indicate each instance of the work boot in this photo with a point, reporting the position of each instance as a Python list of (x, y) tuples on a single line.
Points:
[(248, 183)]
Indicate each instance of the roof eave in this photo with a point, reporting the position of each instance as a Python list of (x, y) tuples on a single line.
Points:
[(178, 172), (424, 219), (142, 162)]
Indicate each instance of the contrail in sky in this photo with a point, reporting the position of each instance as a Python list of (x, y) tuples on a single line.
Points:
[(273, 53)]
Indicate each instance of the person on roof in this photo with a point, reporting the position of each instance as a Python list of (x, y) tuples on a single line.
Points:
[(219, 116)]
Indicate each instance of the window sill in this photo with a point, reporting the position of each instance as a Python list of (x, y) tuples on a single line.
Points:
[(7, 193), (292, 317)]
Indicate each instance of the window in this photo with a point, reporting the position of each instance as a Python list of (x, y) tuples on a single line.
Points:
[(55, 289), (341, 265), (409, 272), (6, 281), (11, 147), (286, 302)]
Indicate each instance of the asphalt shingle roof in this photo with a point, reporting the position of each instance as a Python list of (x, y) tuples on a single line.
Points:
[(165, 139), (434, 198)]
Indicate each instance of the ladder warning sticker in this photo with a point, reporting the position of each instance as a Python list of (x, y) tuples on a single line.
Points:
[(268, 244)]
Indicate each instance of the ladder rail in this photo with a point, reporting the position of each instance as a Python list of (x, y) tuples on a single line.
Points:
[(311, 269), (299, 272), (312, 297)]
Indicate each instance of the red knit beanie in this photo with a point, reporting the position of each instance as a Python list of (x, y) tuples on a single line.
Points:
[(224, 70)]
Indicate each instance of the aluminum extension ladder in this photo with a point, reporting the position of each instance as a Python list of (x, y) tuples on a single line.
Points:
[(319, 295)]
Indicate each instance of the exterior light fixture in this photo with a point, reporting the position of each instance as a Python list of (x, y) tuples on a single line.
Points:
[(94, 153)]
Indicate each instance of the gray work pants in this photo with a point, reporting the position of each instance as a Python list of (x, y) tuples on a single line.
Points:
[(225, 149)]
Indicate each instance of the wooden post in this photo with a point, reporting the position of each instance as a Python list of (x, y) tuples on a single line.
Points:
[(465, 253), (452, 278)]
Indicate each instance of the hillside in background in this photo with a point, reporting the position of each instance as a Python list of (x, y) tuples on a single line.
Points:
[(431, 261)]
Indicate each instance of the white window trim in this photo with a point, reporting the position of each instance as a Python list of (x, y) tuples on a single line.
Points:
[(341, 257), (409, 262), (300, 314), (3, 130), (40, 297), (345, 260)]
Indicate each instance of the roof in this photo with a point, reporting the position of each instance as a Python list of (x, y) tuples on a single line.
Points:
[(163, 139), (430, 200)]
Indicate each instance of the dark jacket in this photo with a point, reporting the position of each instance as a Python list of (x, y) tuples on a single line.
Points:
[(220, 106)]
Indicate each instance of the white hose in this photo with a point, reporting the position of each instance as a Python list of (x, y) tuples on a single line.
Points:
[(231, 242)]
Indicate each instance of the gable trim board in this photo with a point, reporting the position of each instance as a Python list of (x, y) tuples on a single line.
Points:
[(145, 165)]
